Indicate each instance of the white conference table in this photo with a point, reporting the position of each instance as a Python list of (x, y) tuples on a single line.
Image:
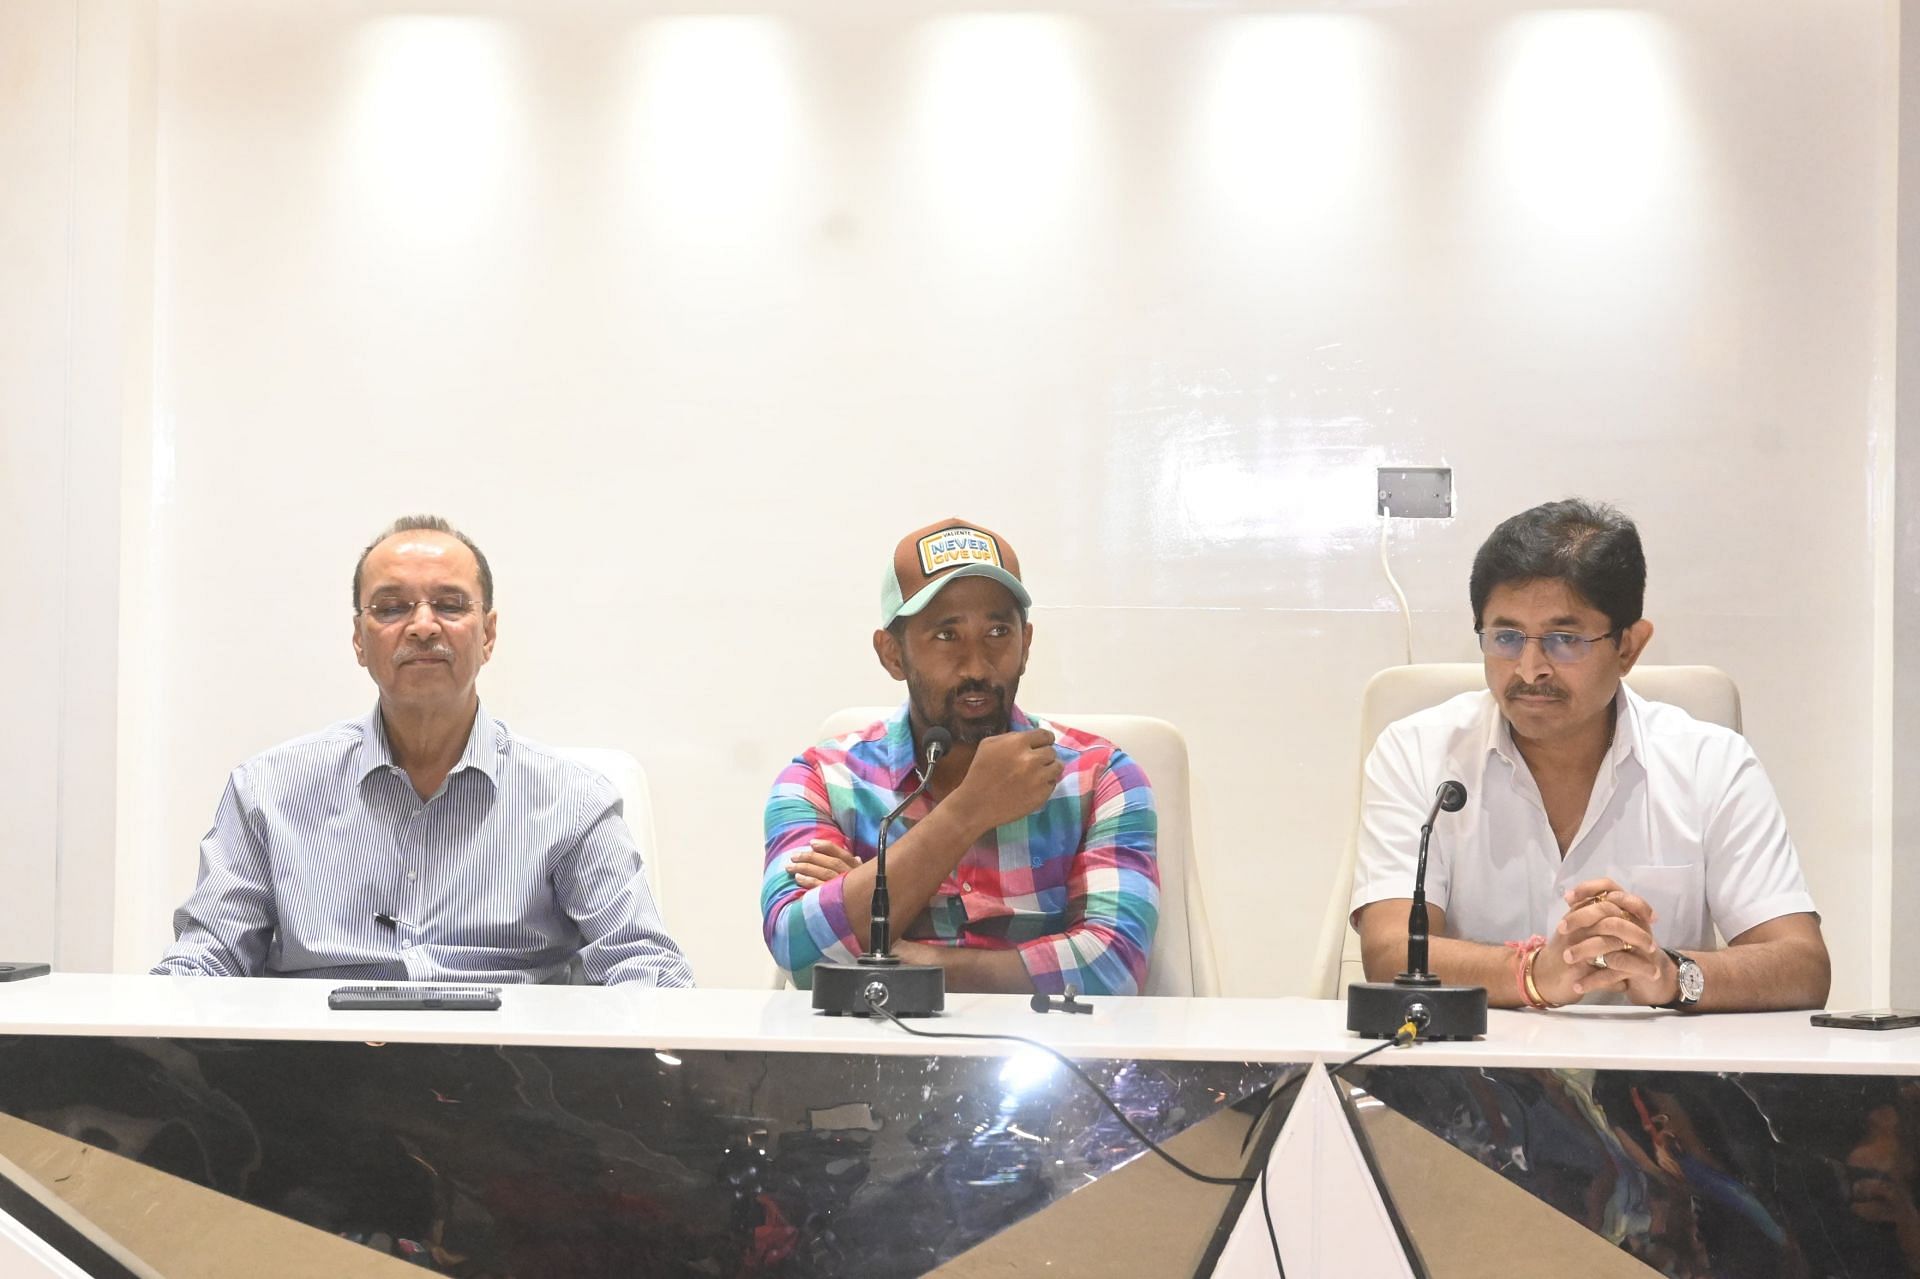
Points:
[(1337, 1212), (1158, 1028)]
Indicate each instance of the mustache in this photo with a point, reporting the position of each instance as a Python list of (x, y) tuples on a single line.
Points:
[(444, 652), (966, 687), (1545, 688), (942, 707)]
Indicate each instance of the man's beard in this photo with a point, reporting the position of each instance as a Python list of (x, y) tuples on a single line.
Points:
[(946, 714)]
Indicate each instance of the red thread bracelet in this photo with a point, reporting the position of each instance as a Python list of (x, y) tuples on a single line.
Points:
[(1522, 951)]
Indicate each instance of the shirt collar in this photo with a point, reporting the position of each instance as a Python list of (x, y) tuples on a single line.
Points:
[(1498, 733), (897, 755), (1627, 706), (1628, 740), (484, 747)]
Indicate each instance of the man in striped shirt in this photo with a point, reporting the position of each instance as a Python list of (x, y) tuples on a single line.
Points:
[(1028, 864), (426, 840)]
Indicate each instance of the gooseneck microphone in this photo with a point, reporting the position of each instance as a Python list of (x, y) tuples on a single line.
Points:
[(879, 936), (878, 979), (1382, 1009), (1452, 797)]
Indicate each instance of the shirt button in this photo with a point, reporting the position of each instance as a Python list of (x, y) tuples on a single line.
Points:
[(406, 944), (410, 877), (966, 888)]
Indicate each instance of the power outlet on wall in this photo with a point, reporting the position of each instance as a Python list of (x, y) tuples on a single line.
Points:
[(1414, 492)]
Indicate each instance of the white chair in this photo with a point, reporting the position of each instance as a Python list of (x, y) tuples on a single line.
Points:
[(624, 771), (1704, 692), (1182, 961)]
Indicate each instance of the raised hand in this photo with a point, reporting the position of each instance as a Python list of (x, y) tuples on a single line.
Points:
[(1011, 775)]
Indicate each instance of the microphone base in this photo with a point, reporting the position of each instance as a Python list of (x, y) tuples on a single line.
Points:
[(905, 990), (1377, 1009)]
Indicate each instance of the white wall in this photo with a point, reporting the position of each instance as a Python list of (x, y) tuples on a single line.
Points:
[(35, 151), (1900, 526), (687, 318), (76, 249)]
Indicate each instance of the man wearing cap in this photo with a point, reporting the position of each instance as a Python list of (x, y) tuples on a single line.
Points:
[(1029, 863)]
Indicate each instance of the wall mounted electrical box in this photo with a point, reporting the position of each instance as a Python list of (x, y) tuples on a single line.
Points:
[(1415, 492)]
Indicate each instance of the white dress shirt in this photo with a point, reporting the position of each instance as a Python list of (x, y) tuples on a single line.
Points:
[(1681, 813)]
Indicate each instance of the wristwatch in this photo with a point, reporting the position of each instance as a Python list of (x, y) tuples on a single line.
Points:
[(1693, 983)]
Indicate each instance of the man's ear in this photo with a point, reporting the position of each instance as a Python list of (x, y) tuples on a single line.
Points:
[(486, 644), (886, 647), (1633, 642), (359, 653), (1026, 645)]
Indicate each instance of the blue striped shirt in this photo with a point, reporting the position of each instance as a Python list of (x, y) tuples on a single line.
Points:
[(519, 861)]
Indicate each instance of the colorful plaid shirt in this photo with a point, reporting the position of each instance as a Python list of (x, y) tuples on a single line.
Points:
[(1075, 886)]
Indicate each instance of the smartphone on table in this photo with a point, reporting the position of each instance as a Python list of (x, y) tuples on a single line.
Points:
[(1870, 1019), (429, 998)]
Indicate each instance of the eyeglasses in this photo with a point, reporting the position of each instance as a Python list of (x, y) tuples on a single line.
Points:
[(1562, 648), (450, 608)]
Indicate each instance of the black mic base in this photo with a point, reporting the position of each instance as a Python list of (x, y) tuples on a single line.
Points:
[(1378, 1009), (905, 990)]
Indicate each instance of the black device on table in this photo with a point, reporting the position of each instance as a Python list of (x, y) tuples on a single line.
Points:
[(427, 998), (19, 970), (1070, 1003), (1870, 1019)]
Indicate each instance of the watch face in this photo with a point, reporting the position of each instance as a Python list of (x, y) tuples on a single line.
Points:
[(1692, 983)]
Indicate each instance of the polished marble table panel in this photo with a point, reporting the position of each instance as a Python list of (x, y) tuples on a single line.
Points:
[(528, 1159), (619, 1152), (1695, 1173)]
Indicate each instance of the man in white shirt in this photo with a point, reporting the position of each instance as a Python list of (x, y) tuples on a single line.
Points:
[(1605, 838)]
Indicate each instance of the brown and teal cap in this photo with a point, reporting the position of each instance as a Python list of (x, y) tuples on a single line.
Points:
[(927, 559)]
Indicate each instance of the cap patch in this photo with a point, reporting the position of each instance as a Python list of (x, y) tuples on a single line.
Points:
[(952, 547)]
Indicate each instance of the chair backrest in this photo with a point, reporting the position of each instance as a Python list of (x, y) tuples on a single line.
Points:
[(1182, 962), (1704, 692), (624, 771)]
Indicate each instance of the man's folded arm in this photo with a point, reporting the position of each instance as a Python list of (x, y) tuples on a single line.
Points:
[(224, 927), (802, 927), (603, 888), (1113, 895)]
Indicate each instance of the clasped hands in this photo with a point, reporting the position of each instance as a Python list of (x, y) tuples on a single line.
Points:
[(1605, 943)]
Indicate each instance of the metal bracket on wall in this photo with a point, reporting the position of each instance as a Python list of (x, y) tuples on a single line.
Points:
[(1415, 492)]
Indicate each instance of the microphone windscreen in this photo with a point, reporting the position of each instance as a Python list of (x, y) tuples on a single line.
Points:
[(937, 742), (1039, 1003), (1453, 796)]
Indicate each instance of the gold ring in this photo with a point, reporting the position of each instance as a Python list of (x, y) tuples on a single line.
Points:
[(1598, 961)]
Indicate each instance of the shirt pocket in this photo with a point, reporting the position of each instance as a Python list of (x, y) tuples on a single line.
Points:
[(1678, 895)]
